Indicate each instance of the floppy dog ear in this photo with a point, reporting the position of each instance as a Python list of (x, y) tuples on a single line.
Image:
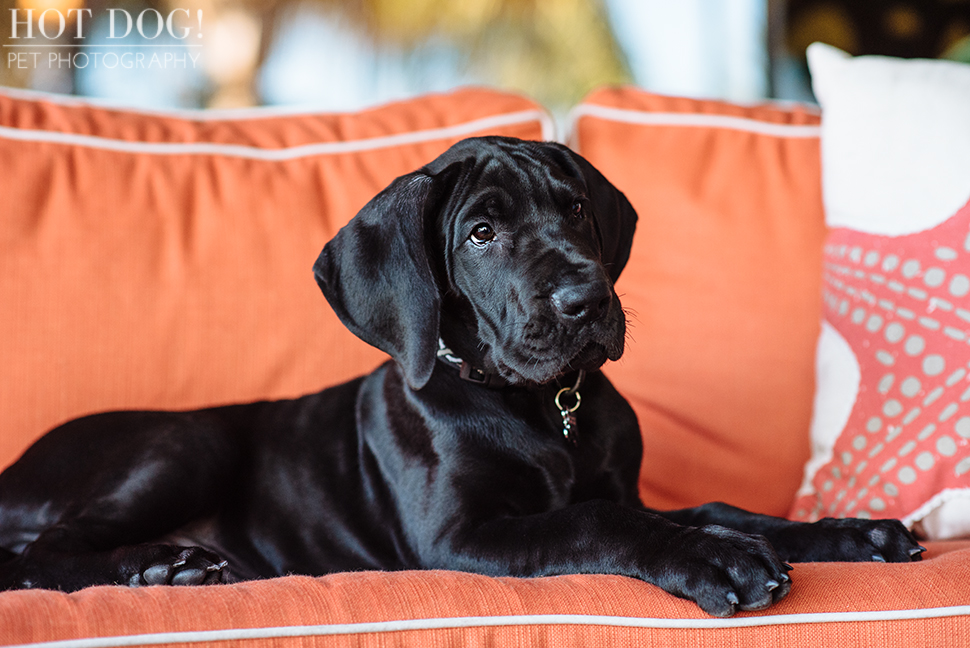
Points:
[(377, 277), (615, 218)]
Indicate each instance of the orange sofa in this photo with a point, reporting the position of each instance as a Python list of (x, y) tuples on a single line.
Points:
[(162, 260)]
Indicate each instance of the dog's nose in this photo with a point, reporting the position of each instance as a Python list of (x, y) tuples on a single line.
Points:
[(585, 302)]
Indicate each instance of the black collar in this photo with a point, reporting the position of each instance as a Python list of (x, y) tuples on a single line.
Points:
[(469, 372)]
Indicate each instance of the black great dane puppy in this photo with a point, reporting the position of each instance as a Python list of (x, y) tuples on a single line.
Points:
[(491, 443)]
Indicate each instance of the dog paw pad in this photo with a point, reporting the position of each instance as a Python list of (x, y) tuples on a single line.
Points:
[(157, 575), (171, 565)]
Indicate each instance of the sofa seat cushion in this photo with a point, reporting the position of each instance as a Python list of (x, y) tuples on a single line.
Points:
[(834, 604)]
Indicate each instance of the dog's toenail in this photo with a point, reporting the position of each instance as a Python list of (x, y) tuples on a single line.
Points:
[(772, 585), (219, 567)]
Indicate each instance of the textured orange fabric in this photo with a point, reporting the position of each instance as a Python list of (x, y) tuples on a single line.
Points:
[(723, 290), (372, 597), (139, 272)]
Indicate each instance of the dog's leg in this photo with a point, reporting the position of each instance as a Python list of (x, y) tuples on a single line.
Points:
[(76, 521), (829, 539), (722, 570)]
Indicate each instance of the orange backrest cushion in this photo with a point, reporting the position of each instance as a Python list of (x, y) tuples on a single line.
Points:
[(164, 260), (723, 289)]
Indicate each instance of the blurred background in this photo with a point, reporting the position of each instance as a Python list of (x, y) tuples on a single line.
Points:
[(347, 54)]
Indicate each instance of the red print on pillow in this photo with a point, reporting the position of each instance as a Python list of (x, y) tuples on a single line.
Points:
[(903, 305)]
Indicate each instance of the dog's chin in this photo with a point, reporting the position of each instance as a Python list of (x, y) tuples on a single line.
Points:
[(590, 357)]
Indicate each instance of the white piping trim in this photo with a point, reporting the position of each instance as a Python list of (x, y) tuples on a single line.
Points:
[(289, 153), (729, 122), (944, 496), (192, 114), (502, 621), (220, 114)]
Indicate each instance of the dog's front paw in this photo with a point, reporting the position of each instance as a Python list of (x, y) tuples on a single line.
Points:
[(723, 570), (849, 540), (172, 565)]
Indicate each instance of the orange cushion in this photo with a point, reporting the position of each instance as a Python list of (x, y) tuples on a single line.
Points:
[(164, 260), (832, 604), (722, 288)]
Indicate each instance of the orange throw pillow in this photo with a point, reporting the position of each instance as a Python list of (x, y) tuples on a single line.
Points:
[(722, 289), (163, 260)]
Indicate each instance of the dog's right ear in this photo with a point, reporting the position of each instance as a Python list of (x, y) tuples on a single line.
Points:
[(377, 276)]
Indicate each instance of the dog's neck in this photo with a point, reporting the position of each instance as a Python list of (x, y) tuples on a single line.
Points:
[(490, 380)]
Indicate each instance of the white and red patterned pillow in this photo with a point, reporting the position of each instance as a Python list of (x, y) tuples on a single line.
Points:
[(891, 432)]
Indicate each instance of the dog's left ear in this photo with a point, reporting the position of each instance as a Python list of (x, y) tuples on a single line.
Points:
[(377, 277), (615, 218)]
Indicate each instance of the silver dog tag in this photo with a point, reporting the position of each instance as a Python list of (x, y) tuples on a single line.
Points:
[(569, 427)]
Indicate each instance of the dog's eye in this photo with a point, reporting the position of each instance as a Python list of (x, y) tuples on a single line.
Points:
[(578, 210), (482, 234)]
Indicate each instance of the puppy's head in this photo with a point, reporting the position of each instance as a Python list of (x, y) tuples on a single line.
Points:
[(506, 249)]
